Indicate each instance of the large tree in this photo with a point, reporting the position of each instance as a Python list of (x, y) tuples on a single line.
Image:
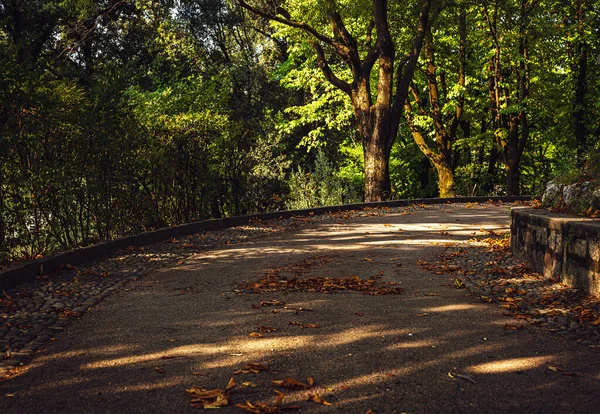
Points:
[(377, 111)]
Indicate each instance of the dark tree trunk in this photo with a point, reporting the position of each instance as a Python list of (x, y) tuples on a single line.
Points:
[(580, 90), (513, 144), (440, 153)]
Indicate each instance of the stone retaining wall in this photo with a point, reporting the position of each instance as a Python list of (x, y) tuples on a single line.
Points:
[(28, 271), (561, 247)]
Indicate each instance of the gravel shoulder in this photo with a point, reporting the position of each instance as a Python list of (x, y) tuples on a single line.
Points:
[(147, 325)]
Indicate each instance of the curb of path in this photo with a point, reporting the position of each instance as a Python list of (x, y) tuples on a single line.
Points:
[(28, 271)]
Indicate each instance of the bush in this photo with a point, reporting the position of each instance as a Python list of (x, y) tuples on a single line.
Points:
[(321, 187)]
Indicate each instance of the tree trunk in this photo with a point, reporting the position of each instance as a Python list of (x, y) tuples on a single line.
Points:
[(580, 90), (513, 173), (445, 180), (377, 122), (377, 174)]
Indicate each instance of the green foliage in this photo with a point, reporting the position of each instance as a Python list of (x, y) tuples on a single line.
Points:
[(321, 187), (119, 117)]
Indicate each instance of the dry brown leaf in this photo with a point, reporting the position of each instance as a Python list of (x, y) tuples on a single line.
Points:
[(201, 393), (230, 385), (159, 370), (253, 368), (265, 329), (310, 381), (279, 398), (271, 302), (290, 383), (221, 401), (464, 377), (511, 327), (318, 400), (249, 384), (256, 335), (248, 406), (370, 412)]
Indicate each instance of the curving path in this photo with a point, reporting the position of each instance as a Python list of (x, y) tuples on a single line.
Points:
[(188, 325)]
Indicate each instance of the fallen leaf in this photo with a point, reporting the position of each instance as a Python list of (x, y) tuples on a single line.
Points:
[(421, 314), (302, 325), (172, 340), (259, 408), (220, 401), (202, 393), (265, 329), (159, 370), (462, 377), (318, 400), (310, 381), (511, 327), (251, 408), (230, 385), (253, 368), (279, 398), (248, 384), (271, 302), (290, 383), (256, 335)]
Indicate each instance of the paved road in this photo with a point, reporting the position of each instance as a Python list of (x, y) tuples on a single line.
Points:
[(183, 326)]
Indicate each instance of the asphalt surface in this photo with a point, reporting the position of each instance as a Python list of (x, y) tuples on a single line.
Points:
[(431, 349)]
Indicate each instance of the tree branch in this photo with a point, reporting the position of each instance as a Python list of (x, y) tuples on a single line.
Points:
[(418, 99), (288, 22), (405, 73), (329, 75), (369, 33)]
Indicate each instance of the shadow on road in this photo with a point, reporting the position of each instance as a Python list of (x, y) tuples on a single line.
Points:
[(431, 349)]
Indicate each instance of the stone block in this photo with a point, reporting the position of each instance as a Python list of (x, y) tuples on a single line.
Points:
[(559, 245)]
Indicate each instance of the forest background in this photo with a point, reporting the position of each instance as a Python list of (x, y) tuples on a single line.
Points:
[(122, 116)]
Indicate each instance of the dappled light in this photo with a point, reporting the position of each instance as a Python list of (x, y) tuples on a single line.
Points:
[(511, 365), (453, 308), (280, 310)]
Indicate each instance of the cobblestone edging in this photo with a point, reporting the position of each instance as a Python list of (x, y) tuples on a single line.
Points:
[(28, 271), (560, 247)]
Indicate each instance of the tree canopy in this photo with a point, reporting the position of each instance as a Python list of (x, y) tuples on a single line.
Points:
[(120, 116)]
